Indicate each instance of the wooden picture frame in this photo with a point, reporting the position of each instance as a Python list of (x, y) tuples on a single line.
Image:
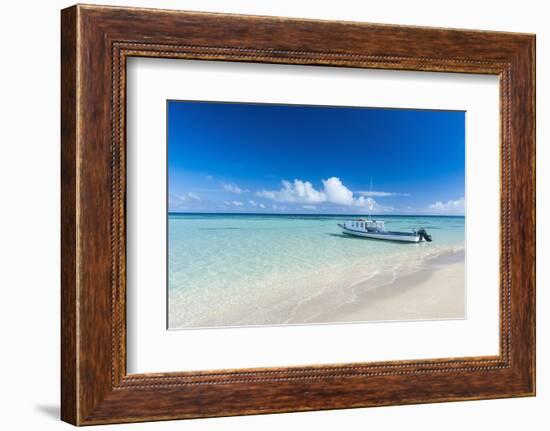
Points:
[(95, 43)]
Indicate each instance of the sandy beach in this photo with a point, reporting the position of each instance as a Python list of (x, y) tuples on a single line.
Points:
[(435, 291)]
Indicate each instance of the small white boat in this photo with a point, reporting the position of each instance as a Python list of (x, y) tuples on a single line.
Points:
[(375, 229)]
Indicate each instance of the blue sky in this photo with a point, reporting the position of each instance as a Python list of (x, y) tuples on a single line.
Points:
[(234, 157)]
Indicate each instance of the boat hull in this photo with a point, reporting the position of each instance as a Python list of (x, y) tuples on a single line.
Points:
[(386, 236)]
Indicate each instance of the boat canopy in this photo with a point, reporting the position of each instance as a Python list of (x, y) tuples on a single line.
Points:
[(375, 224)]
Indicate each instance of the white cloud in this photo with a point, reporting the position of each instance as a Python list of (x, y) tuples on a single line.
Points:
[(183, 201), (450, 207), (262, 206), (333, 191), (380, 194), (336, 192), (309, 207), (253, 203), (184, 197), (372, 205), (233, 188), (234, 203), (362, 201), (176, 202), (299, 191)]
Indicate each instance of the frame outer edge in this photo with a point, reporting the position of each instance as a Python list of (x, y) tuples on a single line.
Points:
[(523, 216), (533, 54), (532, 101), (529, 63), (88, 396), (69, 202)]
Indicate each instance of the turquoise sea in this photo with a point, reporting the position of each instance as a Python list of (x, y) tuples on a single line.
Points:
[(250, 269)]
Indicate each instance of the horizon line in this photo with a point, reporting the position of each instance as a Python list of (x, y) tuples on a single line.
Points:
[(312, 214)]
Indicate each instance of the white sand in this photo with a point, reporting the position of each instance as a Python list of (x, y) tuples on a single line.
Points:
[(435, 291)]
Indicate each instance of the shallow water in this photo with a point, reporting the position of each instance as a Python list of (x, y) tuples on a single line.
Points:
[(228, 269)]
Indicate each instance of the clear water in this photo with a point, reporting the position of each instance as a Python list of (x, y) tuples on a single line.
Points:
[(229, 269)]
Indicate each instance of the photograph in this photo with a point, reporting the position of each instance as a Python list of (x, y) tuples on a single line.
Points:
[(281, 214)]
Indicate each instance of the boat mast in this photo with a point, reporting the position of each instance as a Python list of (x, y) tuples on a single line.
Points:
[(370, 201)]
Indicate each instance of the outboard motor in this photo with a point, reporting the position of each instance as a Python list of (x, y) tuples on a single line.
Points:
[(424, 235)]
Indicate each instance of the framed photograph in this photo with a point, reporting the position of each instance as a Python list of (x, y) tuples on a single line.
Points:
[(266, 215)]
